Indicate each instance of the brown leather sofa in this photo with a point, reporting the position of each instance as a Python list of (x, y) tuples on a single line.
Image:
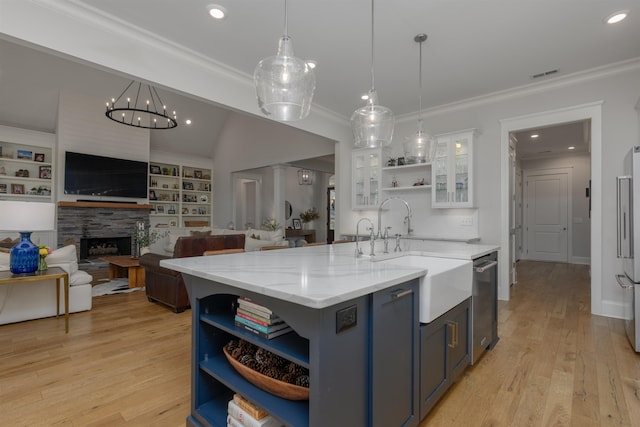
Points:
[(167, 286)]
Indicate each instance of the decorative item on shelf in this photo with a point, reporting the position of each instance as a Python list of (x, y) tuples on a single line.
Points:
[(43, 251), (22, 216), (391, 162), (267, 370), (394, 182), (38, 157), (419, 182), (284, 84), (154, 113), (297, 224), (305, 177), (44, 172), (155, 169), (372, 124), (419, 147)]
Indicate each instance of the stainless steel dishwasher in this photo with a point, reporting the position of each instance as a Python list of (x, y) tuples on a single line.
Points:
[(484, 307)]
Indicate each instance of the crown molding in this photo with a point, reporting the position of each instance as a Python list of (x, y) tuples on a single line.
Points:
[(529, 89)]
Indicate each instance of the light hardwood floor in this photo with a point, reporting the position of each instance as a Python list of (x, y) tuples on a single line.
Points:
[(126, 362)]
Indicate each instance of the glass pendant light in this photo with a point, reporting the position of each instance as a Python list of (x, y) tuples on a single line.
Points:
[(284, 83), (372, 124), (419, 147)]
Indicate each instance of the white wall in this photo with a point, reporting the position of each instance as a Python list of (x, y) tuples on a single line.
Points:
[(246, 143), (580, 220), (83, 128)]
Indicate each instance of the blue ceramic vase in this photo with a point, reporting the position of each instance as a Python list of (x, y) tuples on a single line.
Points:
[(24, 256)]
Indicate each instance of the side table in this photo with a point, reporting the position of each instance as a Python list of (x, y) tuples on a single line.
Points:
[(56, 273)]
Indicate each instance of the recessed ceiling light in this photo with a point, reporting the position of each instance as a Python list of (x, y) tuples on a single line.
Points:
[(571, 148), (534, 135), (614, 18), (216, 11), (187, 122), (364, 97)]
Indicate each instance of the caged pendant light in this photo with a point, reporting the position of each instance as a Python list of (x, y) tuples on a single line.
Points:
[(419, 147), (284, 83), (372, 124)]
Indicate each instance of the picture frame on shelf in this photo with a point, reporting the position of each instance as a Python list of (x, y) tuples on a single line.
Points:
[(38, 157), (44, 172), (197, 174), (173, 223), (155, 169), (160, 209), (17, 188), (24, 155), (187, 185), (171, 211), (297, 223), (152, 195), (3, 188)]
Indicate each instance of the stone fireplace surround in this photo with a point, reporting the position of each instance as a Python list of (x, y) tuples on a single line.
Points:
[(88, 220)]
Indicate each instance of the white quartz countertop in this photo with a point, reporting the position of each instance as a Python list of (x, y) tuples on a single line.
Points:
[(319, 276)]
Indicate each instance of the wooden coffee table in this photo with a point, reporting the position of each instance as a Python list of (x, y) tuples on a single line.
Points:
[(125, 266)]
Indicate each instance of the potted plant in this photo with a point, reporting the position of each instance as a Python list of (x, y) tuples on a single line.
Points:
[(309, 215), (270, 225), (143, 238)]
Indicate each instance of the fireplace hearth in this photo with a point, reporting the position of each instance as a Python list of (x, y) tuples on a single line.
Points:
[(95, 247)]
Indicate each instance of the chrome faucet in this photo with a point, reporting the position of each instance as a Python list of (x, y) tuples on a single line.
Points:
[(407, 219), (386, 240), (358, 250)]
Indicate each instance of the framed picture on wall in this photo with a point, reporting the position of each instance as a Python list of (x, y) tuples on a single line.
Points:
[(297, 224)]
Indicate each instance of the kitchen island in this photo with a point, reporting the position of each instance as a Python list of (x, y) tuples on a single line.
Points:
[(355, 323)]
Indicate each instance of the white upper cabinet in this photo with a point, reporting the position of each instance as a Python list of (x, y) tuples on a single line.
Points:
[(366, 169), (452, 171)]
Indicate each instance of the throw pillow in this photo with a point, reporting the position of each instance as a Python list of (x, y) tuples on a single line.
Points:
[(5, 262), (64, 255), (265, 234)]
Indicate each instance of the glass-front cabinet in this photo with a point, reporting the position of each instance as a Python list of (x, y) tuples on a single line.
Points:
[(452, 171), (366, 169)]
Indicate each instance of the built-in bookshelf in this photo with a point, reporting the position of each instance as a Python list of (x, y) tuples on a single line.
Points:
[(26, 172), (180, 196)]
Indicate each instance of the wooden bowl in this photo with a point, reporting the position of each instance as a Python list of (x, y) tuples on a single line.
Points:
[(271, 385)]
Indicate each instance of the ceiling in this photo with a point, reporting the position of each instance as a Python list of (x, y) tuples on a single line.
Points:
[(473, 49)]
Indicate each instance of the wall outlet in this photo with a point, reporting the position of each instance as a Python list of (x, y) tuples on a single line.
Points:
[(467, 220), (346, 318)]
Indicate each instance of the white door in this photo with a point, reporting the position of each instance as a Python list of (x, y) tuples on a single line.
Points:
[(547, 216)]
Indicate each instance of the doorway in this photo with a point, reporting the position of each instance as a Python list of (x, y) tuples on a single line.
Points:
[(247, 194), (592, 113)]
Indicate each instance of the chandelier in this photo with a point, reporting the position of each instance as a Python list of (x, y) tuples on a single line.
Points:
[(372, 124), (284, 83), (305, 177), (140, 106)]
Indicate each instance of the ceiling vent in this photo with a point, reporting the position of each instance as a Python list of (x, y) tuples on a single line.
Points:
[(544, 74)]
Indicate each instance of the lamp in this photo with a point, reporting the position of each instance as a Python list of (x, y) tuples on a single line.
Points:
[(419, 147), (305, 177), (372, 124), (137, 113), (284, 83), (21, 216)]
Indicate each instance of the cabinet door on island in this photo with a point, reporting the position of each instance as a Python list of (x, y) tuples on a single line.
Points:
[(395, 356)]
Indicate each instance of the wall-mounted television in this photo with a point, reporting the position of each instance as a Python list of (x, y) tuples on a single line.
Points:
[(89, 175)]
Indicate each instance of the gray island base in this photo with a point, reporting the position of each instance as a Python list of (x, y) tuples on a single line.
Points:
[(356, 328), (360, 375)]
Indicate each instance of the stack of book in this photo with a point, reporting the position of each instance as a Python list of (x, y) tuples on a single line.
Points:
[(242, 413), (259, 319)]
